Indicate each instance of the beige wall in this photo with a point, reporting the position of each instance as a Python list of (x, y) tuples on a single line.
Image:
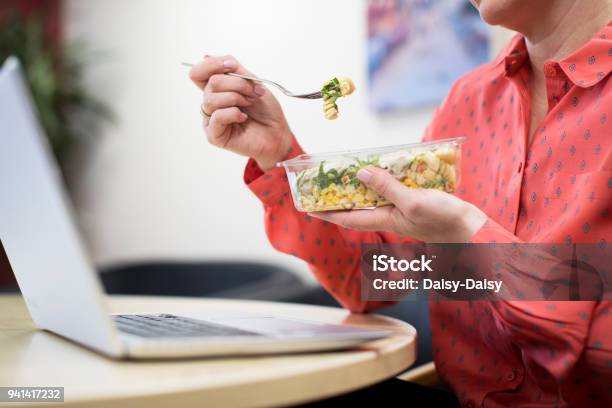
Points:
[(153, 187)]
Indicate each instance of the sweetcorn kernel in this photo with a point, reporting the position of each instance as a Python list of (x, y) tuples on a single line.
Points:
[(409, 182)]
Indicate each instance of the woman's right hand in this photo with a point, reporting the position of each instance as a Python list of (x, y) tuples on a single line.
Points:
[(240, 115)]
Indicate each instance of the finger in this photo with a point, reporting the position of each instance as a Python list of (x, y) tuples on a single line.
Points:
[(226, 83), (220, 120), (385, 185), (201, 73), (378, 219), (221, 100), (205, 115)]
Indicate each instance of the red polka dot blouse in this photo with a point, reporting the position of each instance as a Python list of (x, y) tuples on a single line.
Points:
[(557, 189)]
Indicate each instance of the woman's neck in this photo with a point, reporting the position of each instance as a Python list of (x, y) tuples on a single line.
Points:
[(566, 28)]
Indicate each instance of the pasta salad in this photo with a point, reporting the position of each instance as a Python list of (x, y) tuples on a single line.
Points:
[(332, 183)]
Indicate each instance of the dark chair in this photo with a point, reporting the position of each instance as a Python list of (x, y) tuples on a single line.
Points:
[(236, 280)]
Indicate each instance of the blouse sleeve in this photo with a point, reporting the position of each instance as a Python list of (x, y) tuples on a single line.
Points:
[(552, 334)]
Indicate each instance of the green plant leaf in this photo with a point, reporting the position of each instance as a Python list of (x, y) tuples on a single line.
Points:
[(56, 82)]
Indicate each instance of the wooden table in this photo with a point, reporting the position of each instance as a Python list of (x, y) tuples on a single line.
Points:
[(31, 357)]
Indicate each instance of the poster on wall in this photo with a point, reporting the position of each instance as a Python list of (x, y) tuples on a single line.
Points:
[(418, 48)]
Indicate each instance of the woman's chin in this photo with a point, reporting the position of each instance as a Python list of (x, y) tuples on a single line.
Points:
[(499, 12)]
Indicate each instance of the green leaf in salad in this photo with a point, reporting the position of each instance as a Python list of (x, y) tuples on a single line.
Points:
[(333, 176), (324, 178), (370, 161), (321, 180), (331, 91)]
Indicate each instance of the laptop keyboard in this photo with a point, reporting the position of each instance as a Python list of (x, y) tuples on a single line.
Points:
[(169, 325)]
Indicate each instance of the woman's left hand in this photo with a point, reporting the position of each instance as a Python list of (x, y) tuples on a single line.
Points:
[(424, 214)]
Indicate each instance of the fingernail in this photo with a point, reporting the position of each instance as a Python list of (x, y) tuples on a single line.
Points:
[(229, 63), (364, 175), (250, 98), (244, 116), (259, 90)]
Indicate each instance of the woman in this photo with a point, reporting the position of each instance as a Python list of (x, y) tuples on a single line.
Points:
[(539, 120)]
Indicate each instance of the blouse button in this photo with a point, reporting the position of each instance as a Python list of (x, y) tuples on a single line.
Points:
[(469, 404), (511, 376), (550, 70)]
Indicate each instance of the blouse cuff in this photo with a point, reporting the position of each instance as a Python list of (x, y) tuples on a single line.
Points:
[(270, 186)]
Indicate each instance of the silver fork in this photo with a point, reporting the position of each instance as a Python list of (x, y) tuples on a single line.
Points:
[(313, 95)]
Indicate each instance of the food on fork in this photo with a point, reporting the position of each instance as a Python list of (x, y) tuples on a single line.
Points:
[(332, 90)]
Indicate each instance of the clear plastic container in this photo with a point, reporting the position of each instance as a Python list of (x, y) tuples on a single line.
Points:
[(328, 181)]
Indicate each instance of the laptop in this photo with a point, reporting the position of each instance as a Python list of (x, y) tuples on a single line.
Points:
[(61, 287)]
